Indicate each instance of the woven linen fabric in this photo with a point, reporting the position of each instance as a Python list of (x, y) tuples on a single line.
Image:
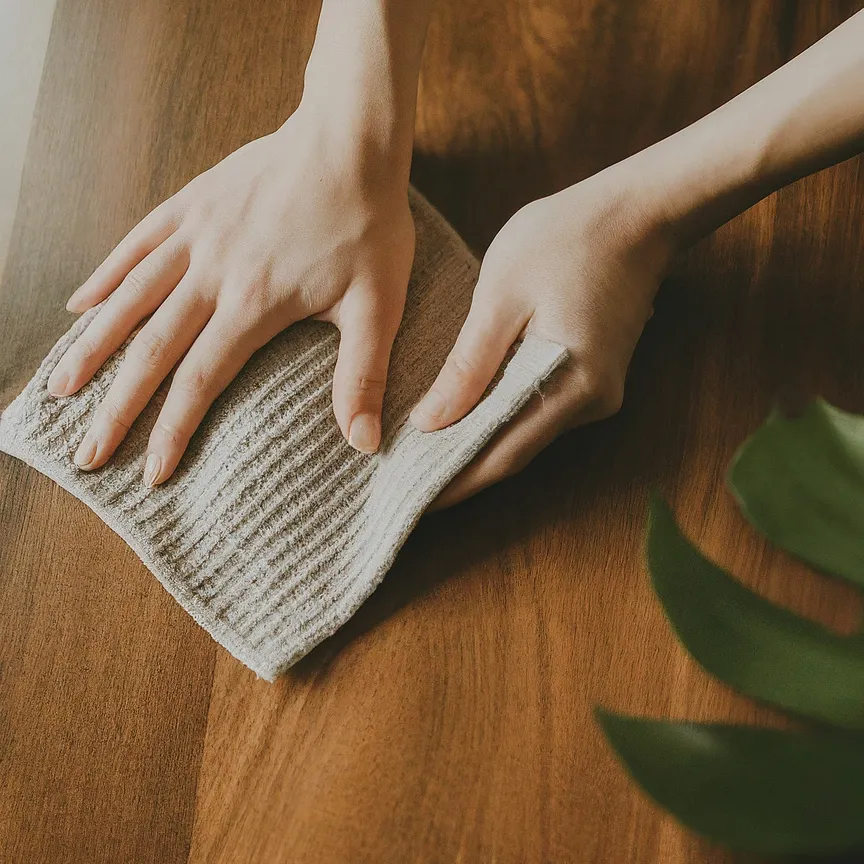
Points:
[(273, 530)]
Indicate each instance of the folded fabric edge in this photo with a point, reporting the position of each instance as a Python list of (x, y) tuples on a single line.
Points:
[(66, 478), (533, 363)]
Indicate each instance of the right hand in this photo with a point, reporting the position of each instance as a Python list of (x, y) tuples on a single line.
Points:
[(579, 268)]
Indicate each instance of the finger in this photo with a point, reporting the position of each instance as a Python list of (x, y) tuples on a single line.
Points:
[(368, 327), (509, 451), (151, 356), (212, 363), (540, 422), (141, 293), (486, 336), (153, 230)]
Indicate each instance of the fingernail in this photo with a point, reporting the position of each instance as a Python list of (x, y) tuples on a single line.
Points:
[(58, 383), (152, 467), (364, 433), (72, 303), (429, 410), (86, 452)]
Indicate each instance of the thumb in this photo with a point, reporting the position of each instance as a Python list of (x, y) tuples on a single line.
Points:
[(491, 328), (368, 329)]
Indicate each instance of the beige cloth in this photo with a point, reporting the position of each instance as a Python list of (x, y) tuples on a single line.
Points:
[(273, 530)]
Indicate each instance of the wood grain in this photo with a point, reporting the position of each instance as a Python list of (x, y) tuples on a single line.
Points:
[(451, 720)]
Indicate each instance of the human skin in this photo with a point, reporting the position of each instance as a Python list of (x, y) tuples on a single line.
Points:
[(580, 267), (310, 221)]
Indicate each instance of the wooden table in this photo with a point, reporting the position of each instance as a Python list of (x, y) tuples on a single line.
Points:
[(452, 719)]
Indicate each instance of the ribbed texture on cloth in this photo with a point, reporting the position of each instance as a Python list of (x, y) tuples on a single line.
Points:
[(273, 530)]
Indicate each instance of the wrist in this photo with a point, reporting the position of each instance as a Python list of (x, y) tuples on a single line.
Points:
[(609, 214), (361, 120), (694, 181), (807, 115), (352, 142), (361, 79)]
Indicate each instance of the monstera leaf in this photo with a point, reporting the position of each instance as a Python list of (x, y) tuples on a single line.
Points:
[(761, 790), (801, 482), (761, 649)]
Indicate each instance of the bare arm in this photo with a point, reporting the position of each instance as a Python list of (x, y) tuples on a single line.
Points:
[(311, 220), (581, 267), (804, 117), (363, 71)]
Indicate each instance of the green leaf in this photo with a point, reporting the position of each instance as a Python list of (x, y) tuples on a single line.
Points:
[(759, 649), (757, 790), (801, 483)]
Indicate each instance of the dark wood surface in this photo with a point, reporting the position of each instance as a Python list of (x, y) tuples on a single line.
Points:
[(451, 720)]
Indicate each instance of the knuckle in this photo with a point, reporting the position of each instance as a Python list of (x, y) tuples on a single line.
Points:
[(513, 466), (148, 350), (461, 366), (603, 390), (136, 282), (614, 400), (506, 465), (252, 292), (247, 299), (171, 433), (195, 381), (369, 385), (111, 410)]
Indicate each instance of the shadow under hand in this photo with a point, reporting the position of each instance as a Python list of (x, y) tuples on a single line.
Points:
[(607, 466)]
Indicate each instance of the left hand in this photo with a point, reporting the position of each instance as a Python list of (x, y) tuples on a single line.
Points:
[(305, 222), (579, 268)]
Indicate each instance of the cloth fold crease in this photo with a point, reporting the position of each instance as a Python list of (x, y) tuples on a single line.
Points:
[(273, 531)]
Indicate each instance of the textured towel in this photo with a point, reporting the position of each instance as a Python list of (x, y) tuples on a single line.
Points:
[(273, 530)]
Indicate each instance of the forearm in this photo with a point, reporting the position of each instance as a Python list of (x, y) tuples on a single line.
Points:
[(807, 115), (362, 75)]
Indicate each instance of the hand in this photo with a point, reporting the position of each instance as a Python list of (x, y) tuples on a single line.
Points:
[(292, 225), (580, 268)]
